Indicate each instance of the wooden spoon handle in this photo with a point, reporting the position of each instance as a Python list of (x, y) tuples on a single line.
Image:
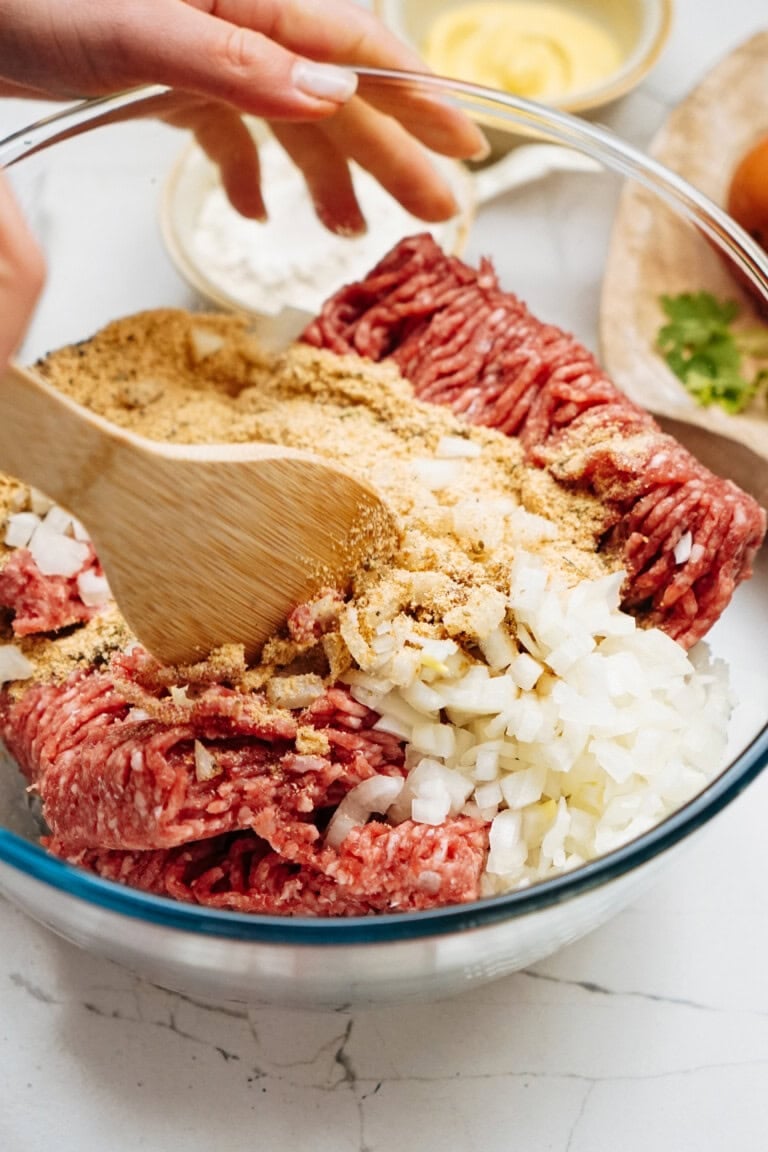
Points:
[(48, 441)]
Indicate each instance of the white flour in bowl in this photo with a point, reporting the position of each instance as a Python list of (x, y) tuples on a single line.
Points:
[(292, 259)]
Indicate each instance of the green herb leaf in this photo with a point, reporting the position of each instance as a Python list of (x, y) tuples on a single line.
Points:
[(706, 354)]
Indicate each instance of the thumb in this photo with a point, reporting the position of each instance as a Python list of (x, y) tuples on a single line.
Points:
[(182, 47), (22, 272)]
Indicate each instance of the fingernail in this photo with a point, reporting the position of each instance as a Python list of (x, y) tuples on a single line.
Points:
[(350, 229), (324, 81), (484, 151), (354, 224)]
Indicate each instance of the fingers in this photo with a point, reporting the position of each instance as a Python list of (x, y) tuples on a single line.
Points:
[(327, 176), (175, 43), (389, 153), (342, 32), (280, 59), (427, 115), (22, 272), (338, 31), (224, 137)]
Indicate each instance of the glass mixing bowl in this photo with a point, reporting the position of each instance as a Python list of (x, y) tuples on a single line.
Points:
[(92, 180)]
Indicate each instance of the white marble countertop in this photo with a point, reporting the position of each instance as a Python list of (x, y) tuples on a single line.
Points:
[(650, 1034)]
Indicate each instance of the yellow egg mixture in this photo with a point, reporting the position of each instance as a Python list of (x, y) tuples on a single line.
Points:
[(540, 51)]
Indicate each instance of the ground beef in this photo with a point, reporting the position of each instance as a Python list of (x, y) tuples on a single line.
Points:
[(114, 752), (41, 603), (378, 868), (464, 342), (113, 761)]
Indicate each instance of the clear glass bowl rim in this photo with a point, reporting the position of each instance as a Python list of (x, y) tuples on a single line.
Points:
[(516, 116)]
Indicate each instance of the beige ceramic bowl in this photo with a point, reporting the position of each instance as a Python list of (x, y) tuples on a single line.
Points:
[(640, 28)]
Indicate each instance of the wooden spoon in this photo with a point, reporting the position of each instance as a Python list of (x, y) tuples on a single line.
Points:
[(202, 545)]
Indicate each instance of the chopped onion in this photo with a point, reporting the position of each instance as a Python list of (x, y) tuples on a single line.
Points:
[(376, 794), (39, 502), (138, 714), (524, 787), (13, 664), (498, 647), (57, 519), (508, 850), (546, 712), (436, 474), (431, 809), (206, 767), (393, 727), (524, 671), (19, 529), (487, 761), (93, 589), (488, 795), (56, 554), (79, 531), (532, 528), (682, 550), (203, 343), (457, 447), (423, 698), (434, 739)]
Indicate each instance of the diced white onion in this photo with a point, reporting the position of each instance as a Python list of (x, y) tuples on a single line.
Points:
[(93, 589), (683, 548), (508, 850), (434, 739), (14, 665), (486, 763), (524, 671), (499, 648), (206, 767), (546, 713), (436, 474), (457, 447), (79, 531), (376, 794), (139, 715), (57, 519), (431, 809), (524, 787), (19, 529), (39, 502), (204, 342), (56, 554)]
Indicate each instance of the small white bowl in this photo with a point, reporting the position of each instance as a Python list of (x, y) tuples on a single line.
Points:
[(288, 265), (639, 27)]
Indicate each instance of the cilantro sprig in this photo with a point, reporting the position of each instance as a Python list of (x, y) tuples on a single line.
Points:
[(705, 351)]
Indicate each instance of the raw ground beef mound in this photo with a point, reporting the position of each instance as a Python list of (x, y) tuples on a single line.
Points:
[(463, 342), (112, 752), (112, 757)]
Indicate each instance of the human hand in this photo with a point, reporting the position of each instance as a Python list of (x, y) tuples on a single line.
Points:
[(22, 271), (279, 59)]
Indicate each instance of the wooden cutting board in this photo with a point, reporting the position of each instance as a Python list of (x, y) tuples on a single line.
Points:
[(652, 252)]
